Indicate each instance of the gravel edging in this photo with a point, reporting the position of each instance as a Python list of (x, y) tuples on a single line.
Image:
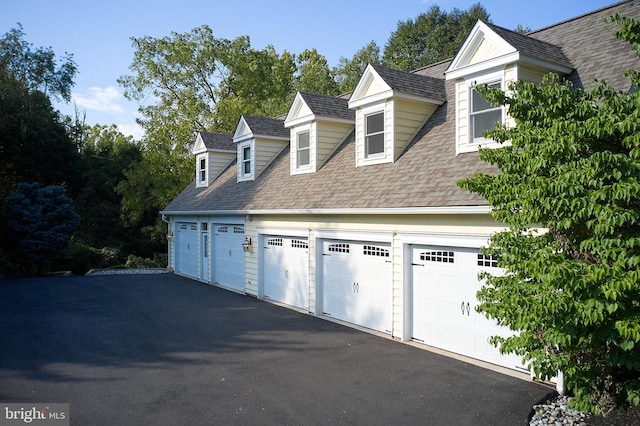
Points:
[(554, 411)]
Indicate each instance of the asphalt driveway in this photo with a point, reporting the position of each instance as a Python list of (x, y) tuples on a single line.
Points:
[(163, 349)]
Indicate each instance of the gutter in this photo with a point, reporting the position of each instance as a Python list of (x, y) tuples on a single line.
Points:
[(452, 210)]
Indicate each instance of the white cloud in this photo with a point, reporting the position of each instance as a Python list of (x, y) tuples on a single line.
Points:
[(131, 129), (100, 99)]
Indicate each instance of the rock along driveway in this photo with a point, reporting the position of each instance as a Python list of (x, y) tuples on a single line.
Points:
[(163, 349)]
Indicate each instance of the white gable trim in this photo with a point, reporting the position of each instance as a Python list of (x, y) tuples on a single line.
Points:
[(460, 65), (359, 96), (479, 33), (243, 132)]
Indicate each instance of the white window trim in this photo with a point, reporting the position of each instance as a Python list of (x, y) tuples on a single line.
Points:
[(377, 155), (295, 164), (362, 144), (471, 89), (242, 176), (199, 181), (471, 81)]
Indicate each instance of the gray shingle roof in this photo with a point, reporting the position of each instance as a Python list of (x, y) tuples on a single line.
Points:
[(218, 141), (412, 83), (328, 106), (262, 126), (588, 43), (532, 47), (425, 175)]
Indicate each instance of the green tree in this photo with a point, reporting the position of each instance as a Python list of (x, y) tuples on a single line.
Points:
[(37, 69), (431, 37), (349, 71), (42, 220), (569, 191), (314, 74)]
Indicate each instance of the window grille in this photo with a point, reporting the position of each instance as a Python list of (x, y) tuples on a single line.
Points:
[(438, 256)]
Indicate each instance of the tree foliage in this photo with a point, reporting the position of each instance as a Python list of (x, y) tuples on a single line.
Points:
[(431, 37), (349, 71), (569, 191), (42, 220), (37, 69), (314, 74)]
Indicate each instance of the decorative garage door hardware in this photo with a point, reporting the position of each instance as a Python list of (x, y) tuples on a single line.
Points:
[(462, 307), (356, 287)]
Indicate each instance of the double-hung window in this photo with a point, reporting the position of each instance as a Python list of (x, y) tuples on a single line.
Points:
[(303, 150), (202, 170), (483, 115), (246, 161), (374, 135)]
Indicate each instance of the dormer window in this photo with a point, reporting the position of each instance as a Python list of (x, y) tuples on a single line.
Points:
[(303, 150), (374, 135), (202, 170), (483, 115), (246, 160)]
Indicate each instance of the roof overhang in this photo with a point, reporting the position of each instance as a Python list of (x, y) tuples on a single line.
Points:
[(501, 61), (445, 210), (389, 94)]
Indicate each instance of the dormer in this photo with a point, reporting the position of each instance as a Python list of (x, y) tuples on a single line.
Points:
[(213, 152), (391, 106), (317, 125), (495, 56), (258, 140)]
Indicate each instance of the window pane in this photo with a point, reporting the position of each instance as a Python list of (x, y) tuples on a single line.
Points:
[(203, 164), (375, 123), (478, 102), (303, 157), (303, 140), (375, 144), (203, 175), (246, 167), (246, 153), (485, 121)]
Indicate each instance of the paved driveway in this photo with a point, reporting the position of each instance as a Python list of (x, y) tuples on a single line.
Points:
[(162, 349)]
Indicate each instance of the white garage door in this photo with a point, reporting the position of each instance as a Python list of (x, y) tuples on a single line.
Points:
[(357, 283), (228, 256), (187, 248), (444, 285), (286, 270)]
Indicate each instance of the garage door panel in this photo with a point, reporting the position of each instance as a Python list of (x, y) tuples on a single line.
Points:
[(357, 283), (187, 249), (228, 258), (443, 299), (286, 270)]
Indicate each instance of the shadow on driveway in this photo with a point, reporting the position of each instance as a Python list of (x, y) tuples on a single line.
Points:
[(163, 349)]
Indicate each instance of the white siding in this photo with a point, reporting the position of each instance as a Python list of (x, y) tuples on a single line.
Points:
[(218, 162), (265, 150), (330, 136), (251, 260), (462, 115), (409, 119)]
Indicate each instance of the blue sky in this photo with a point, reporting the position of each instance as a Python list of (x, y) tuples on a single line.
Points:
[(98, 33)]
